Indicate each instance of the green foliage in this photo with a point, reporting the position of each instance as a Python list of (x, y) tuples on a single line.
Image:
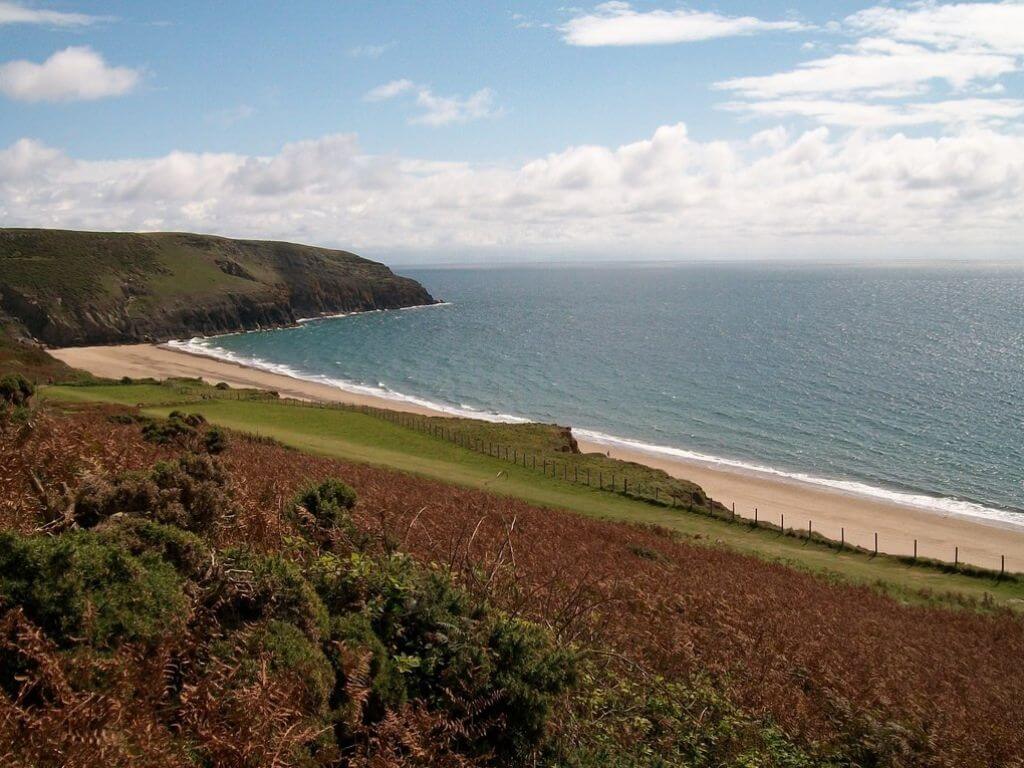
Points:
[(15, 390), (81, 588), (629, 721), (288, 651), (215, 440), (189, 492), (259, 587), (497, 674), (324, 510), (185, 551)]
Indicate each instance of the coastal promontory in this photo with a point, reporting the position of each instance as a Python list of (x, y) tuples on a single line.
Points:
[(72, 288)]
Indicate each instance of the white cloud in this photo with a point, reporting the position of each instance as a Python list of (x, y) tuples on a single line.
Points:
[(370, 51), (991, 26), (77, 73), (16, 13), (873, 115), (840, 195), (439, 110), (876, 67), (616, 23), (923, 63)]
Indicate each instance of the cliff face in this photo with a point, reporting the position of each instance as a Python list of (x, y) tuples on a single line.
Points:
[(80, 288)]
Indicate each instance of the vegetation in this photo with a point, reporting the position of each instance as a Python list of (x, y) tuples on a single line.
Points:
[(351, 434), (185, 612), (70, 288)]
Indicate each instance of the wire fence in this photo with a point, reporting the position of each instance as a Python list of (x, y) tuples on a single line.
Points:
[(620, 483)]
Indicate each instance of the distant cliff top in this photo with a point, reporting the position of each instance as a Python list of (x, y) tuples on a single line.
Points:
[(75, 288)]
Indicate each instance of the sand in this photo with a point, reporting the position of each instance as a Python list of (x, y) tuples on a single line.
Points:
[(832, 513)]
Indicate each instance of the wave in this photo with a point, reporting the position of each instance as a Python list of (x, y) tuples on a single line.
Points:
[(937, 504), (943, 505), (201, 346), (304, 320)]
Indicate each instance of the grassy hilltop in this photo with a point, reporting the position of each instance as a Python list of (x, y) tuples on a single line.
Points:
[(76, 288)]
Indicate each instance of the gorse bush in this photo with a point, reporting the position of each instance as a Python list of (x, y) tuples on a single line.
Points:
[(82, 588), (190, 492), (426, 640), (323, 511), (15, 390)]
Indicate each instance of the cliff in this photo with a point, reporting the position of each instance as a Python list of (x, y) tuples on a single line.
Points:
[(80, 288)]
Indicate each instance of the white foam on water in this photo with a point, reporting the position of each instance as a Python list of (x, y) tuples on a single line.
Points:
[(204, 347), (943, 505)]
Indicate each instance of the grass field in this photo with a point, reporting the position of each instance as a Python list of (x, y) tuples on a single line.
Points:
[(352, 435)]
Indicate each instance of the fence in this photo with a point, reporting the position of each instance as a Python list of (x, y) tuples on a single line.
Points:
[(620, 484)]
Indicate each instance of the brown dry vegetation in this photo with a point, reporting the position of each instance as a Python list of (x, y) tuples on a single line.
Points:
[(841, 670)]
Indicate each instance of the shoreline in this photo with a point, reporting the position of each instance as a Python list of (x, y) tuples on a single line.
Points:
[(834, 512)]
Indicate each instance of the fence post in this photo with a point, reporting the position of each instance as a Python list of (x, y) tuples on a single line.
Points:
[(876, 542), (956, 556), (808, 530), (842, 538), (915, 550), (755, 515), (1002, 565), (734, 510)]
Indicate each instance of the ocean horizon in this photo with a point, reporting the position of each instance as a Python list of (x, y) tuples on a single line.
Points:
[(898, 383)]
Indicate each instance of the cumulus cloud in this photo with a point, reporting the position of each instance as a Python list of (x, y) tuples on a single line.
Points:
[(77, 73), (439, 110), (834, 194), (924, 63), (16, 13), (617, 23)]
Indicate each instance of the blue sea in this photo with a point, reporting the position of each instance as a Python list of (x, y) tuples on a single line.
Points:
[(905, 383)]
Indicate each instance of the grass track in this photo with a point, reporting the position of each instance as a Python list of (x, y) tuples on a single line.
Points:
[(365, 438)]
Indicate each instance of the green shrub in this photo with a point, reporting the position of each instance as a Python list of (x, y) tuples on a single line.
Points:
[(215, 440), (259, 587), (289, 651), (189, 492), (498, 674), (82, 589), (322, 511), (185, 551), (15, 390), (178, 427)]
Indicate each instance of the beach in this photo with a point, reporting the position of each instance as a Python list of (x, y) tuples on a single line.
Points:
[(832, 513)]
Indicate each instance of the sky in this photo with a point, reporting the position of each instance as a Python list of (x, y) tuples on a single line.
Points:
[(485, 131)]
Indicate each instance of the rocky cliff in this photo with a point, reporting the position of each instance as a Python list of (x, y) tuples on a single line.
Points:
[(79, 288)]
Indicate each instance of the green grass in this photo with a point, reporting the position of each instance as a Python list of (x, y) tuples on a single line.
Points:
[(355, 436)]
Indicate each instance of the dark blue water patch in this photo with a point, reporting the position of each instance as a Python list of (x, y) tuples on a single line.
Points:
[(908, 380)]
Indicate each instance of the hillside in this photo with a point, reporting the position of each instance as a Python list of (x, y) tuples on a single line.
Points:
[(79, 288), (175, 594)]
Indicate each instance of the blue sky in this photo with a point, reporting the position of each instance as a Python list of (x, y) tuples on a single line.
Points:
[(654, 129)]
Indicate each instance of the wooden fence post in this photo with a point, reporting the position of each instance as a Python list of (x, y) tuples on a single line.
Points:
[(876, 542)]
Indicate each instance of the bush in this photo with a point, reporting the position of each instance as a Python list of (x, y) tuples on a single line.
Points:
[(82, 589), (323, 510), (258, 587), (496, 675), (189, 492), (178, 427), (15, 390), (215, 440), (185, 551)]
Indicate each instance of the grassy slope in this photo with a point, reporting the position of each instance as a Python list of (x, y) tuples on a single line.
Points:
[(95, 287), (355, 436)]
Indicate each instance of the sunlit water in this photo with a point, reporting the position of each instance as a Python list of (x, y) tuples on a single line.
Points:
[(899, 383)]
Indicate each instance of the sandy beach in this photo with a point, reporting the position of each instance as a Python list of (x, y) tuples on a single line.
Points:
[(832, 513)]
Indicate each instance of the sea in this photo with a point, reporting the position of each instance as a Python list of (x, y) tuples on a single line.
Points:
[(903, 383)]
